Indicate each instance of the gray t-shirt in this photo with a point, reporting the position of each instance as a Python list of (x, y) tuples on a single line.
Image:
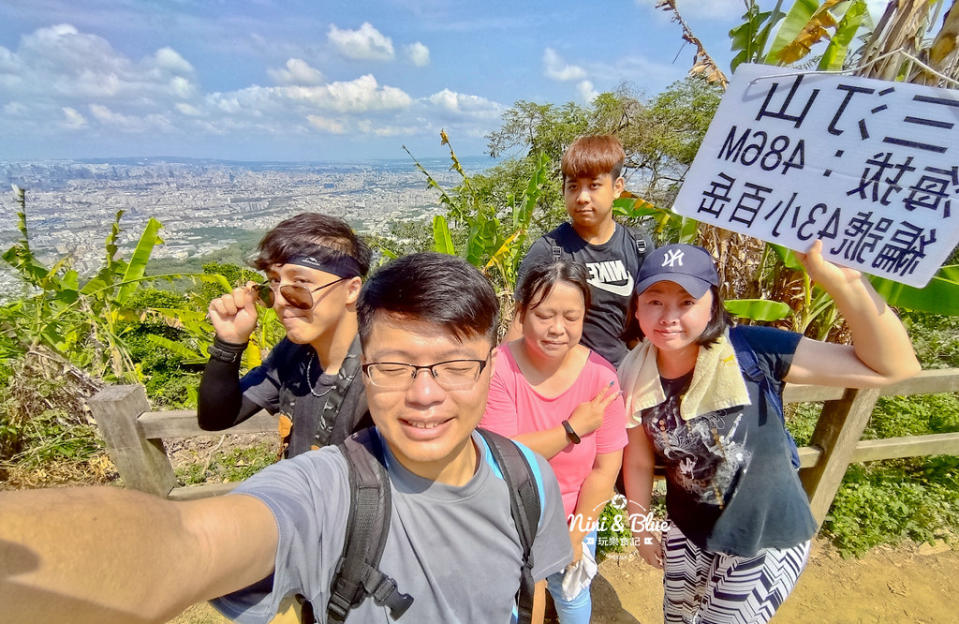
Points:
[(454, 549)]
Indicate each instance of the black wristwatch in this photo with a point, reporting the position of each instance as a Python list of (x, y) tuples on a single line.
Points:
[(229, 352), (570, 433)]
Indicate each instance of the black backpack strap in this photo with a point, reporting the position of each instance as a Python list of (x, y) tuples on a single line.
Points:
[(357, 575), (749, 365), (641, 240), (554, 247), (525, 507), (336, 418)]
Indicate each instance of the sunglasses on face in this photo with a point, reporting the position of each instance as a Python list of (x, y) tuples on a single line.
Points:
[(296, 295)]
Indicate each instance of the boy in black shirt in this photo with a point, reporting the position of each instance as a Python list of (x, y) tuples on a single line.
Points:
[(612, 254)]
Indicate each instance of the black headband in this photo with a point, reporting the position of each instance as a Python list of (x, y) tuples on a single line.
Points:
[(338, 264)]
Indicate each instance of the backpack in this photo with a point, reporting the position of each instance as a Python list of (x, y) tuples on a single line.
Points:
[(639, 237), (342, 409), (357, 576), (749, 365)]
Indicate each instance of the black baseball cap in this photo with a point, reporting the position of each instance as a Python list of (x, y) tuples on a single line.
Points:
[(687, 265)]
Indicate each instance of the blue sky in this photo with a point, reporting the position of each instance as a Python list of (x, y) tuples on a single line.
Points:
[(320, 80)]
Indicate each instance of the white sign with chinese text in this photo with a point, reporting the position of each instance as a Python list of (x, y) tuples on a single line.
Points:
[(868, 166)]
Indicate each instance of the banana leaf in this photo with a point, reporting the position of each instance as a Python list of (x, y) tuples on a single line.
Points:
[(177, 348), (442, 241), (786, 256), (138, 261), (531, 195), (758, 309), (110, 244), (797, 18), (688, 230), (940, 296), (749, 38), (838, 48)]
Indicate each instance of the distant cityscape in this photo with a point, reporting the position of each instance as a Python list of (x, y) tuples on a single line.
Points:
[(204, 205)]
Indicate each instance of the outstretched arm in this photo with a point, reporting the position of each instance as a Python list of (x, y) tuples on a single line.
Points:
[(881, 352), (103, 555)]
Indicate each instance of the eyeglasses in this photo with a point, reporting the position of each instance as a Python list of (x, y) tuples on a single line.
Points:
[(449, 375), (297, 296)]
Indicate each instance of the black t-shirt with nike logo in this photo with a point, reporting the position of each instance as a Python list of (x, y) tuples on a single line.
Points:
[(612, 269)]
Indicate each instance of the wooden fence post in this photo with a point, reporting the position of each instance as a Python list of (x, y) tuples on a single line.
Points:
[(839, 428), (142, 463)]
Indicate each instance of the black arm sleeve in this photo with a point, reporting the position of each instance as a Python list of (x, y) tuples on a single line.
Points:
[(220, 401)]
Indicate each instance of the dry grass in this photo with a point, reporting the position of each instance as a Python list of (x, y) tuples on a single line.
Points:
[(97, 470)]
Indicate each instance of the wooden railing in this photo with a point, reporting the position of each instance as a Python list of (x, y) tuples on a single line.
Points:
[(134, 436)]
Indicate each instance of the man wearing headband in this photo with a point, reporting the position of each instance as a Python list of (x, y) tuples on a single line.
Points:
[(314, 266)]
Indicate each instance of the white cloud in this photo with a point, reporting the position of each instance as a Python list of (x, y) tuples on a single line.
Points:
[(355, 96), (181, 87), (366, 126), (281, 106), (8, 62), (107, 117), (60, 79), (61, 62), (73, 119), (114, 121), (296, 72), (557, 69), (365, 43), (464, 104), (170, 60), (188, 109), (418, 54), (326, 125), (586, 91)]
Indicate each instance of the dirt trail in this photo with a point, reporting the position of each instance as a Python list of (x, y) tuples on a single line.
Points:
[(917, 586), (886, 585)]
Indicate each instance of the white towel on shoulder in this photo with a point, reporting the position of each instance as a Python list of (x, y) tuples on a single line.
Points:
[(717, 381)]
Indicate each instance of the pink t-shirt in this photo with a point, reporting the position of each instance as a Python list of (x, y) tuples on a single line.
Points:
[(514, 408)]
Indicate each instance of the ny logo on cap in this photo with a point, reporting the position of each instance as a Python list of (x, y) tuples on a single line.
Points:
[(674, 257)]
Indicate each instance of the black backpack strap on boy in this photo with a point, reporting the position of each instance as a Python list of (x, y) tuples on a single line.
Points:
[(368, 525), (338, 419), (749, 365), (641, 242), (524, 505)]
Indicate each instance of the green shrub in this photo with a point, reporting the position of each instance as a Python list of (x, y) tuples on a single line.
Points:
[(888, 502), (934, 337), (613, 534), (917, 498), (920, 414)]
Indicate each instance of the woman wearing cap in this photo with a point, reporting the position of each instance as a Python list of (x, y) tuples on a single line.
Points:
[(562, 400), (740, 524)]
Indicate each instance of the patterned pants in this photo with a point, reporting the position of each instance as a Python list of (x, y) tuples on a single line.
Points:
[(702, 587)]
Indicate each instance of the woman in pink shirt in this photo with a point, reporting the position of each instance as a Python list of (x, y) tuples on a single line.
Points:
[(561, 400)]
